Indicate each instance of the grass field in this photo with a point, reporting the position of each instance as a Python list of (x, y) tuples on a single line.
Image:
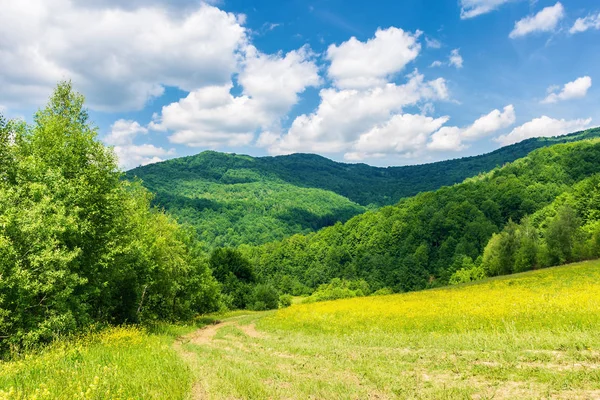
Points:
[(533, 335), (528, 336)]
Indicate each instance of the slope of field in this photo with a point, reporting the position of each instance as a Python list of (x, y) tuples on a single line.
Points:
[(117, 363), (234, 199), (527, 336)]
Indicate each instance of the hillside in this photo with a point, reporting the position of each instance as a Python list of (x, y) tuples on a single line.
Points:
[(424, 240), (235, 199)]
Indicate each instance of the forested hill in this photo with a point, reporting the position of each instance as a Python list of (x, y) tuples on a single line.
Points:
[(236, 199), (541, 210), (360, 183)]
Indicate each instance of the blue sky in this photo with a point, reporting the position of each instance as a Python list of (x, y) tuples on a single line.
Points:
[(385, 82)]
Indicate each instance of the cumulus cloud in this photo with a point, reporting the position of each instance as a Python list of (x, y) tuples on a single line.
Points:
[(122, 135), (119, 58), (212, 116), (452, 138), (123, 132), (474, 8), (436, 63), (455, 59), (572, 90), (360, 65), (543, 127), (544, 21), (403, 134), (583, 24), (344, 115)]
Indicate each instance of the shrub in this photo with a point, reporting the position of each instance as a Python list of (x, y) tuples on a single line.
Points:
[(285, 300), (264, 297)]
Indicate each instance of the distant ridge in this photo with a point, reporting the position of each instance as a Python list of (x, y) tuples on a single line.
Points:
[(233, 199)]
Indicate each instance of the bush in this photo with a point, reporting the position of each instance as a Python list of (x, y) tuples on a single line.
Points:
[(383, 292), (264, 297), (339, 289), (285, 300), (464, 275)]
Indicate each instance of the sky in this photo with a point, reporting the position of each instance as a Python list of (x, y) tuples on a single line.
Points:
[(384, 82)]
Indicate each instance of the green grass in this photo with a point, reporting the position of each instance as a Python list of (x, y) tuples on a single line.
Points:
[(117, 363), (526, 336)]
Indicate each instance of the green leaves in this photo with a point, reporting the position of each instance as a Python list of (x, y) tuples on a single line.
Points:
[(79, 246)]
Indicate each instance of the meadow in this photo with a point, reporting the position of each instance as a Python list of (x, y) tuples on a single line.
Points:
[(528, 336)]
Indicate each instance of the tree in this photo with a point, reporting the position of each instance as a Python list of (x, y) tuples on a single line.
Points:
[(562, 234), (79, 246)]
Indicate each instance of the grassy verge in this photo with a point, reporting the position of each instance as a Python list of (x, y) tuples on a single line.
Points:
[(116, 363)]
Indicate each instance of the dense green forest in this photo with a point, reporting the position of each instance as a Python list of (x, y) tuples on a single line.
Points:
[(78, 245), (235, 199), (439, 237)]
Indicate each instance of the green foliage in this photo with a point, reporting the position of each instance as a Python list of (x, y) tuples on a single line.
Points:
[(285, 300), (79, 246), (339, 289), (233, 199), (469, 272), (264, 297), (564, 231), (422, 241), (383, 292), (236, 276)]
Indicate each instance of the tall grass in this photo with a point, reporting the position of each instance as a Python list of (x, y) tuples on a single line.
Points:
[(116, 363)]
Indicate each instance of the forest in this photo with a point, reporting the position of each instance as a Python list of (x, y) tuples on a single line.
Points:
[(538, 211), (233, 199)]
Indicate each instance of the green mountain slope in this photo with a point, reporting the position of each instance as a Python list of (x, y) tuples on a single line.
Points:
[(234, 199), (423, 240)]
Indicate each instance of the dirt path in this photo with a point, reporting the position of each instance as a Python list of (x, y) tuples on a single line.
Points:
[(204, 336)]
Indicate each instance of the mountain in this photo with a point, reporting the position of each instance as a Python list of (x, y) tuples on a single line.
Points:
[(423, 241), (232, 199)]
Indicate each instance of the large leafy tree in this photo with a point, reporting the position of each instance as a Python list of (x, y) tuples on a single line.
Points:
[(77, 245)]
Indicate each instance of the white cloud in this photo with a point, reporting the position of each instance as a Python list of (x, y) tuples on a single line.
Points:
[(543, 127), (572, 90), (544, 21), (119, 58), (360, 65), (474, 8), (432, 43), (455, 59), (122, 135), (490, 123), (447, 138), (403, 134), (212, 116), (452, 138), (132, 156), (583, 24), (124, 131), (344, 115), (276, 81)]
